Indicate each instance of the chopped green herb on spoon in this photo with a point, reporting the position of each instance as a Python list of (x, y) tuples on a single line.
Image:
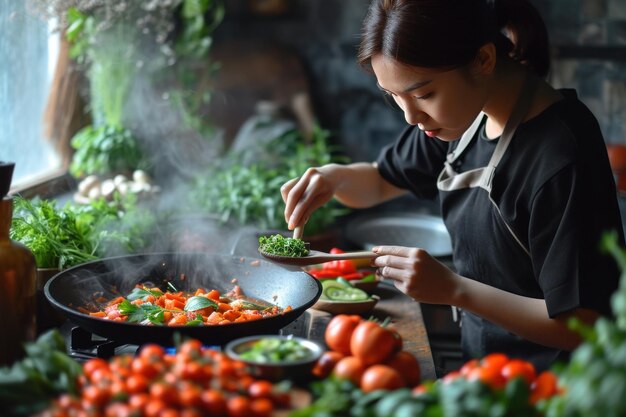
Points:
[(283, 246)]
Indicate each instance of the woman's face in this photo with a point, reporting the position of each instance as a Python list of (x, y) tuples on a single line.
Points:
[(441, 103)]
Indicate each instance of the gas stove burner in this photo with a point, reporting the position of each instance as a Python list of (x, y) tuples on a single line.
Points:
[(83, 345)]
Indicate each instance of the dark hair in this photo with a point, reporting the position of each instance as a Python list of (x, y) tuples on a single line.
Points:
[(448, 33)]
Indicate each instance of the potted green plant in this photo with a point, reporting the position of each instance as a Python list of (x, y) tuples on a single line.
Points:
[(163, 47), (249, 194), (61, 237)]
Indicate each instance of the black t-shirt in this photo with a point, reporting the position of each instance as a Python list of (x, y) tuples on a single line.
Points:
[(538, 232)]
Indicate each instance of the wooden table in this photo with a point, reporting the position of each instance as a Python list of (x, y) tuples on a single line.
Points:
[(406, 316)]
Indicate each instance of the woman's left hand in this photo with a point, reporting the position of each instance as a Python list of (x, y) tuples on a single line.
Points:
[(416, 273)]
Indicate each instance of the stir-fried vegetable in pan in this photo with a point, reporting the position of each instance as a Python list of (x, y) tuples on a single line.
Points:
[(152, 306)]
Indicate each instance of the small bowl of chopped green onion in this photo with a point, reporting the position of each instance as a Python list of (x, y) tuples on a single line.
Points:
[(275, 357)]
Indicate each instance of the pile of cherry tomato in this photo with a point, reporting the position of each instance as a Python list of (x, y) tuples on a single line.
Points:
[(497, 369), (194, 382), (367, 353)]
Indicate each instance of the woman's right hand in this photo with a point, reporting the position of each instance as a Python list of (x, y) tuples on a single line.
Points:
[(356, 185), (305, 194)]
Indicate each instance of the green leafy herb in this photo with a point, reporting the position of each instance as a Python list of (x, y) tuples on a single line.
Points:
[(55, 236), (29, 385), (249, 193), (139, 313), (60, 237), (198, 303), (104, 150), (142, 293), (284, 246), (595, 376)]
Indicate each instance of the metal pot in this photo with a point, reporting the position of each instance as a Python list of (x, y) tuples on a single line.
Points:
[(82, 285), (400, 229)]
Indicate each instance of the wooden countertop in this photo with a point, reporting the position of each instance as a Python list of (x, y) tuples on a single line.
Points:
[(406, 316)]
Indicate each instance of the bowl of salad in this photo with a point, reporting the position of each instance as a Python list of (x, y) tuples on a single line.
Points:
[(340, 296), (277, 357)]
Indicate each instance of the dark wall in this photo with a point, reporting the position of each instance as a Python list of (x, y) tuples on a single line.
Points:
[(324, 35)]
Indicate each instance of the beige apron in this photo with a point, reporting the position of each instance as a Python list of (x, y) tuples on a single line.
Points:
[(480, 336), (450, 180)]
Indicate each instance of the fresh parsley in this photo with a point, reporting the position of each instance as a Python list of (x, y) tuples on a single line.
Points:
[(142, 312), (284, 246)]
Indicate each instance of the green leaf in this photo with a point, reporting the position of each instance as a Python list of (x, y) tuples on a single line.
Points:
[(142, 293), (198, 303)]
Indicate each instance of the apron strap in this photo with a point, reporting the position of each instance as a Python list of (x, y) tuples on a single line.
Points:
[(450, 180), (517, 116), (466, 139)]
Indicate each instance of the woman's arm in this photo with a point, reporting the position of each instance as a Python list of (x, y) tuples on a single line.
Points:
[(524, 316), (356, 185), (427, 280)]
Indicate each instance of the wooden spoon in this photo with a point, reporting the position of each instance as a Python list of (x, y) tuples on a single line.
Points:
[(317, 257)]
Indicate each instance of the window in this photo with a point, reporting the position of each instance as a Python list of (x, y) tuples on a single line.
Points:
[(28, 53)]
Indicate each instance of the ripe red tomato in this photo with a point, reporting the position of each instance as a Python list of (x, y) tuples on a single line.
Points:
[(145, 367), (191, 348), (261, 407), (544, 386), (239, 406), (152, 351), (518, 367), (164, 392), (326, 363), (494, 360), (396, 334), (372, 343), (154, 407), (96, 395), (489, 375), (468, 367), (339, 332), (117, 409), (214, 402), (93, 364), (261, 389), (350, 368), (137, 383), (189, 394), (407, 366), (451, 376), (381, 377)]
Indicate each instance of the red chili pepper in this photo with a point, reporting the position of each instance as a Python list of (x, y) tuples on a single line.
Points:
[(354, 275), (346, 266), (324, 273), (336, 250)]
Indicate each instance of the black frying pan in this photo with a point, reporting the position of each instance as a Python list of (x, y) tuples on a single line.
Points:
[(81, 285)]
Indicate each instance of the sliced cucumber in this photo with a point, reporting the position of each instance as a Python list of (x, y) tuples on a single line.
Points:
[(345, 294)]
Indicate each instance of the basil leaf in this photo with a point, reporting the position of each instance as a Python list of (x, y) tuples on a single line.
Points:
[(142, 293), (198, 303)]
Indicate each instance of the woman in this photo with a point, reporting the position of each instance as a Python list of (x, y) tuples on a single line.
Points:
[(526, 193)]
